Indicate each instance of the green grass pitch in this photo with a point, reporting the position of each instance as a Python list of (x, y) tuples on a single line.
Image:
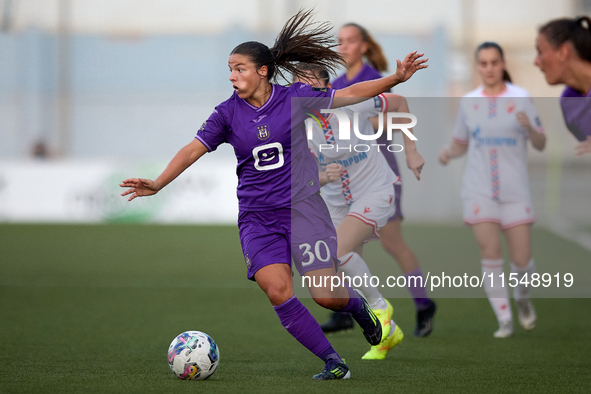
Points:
[(94, 308)]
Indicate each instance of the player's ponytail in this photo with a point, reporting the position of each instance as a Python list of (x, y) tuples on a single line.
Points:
[(300, 41), (489, 44), (375, 55), (575, 31)]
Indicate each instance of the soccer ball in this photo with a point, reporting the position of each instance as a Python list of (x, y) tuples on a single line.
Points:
[(193, 355)]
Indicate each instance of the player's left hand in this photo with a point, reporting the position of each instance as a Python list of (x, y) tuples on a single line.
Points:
[(584, 147), (415, 162), (523, 119), (411, 64)]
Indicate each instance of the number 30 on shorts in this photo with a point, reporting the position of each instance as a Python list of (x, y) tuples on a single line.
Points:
[(321, 252)]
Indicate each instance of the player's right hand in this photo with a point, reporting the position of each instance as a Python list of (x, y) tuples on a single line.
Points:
[(444, 156), (139, 187), (333, 172)]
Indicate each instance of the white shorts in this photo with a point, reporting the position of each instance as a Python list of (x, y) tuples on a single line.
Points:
[(507, 214), (373, 209)]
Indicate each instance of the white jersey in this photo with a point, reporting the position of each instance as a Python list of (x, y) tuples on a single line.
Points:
[(365, 169), (497, 143)]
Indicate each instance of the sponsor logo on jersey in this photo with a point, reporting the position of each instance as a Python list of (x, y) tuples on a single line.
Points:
[(263, 132), (320, 89), (492, 141), (203, 126), (268, 157), (247, 260), (366, 210)]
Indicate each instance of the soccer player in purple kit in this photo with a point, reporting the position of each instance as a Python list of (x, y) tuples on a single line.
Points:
[(355, 43), (564, 56), (280, 209)]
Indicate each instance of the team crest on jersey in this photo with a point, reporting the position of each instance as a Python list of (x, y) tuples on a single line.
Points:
[(247, 260), (510, 106), (263, 132)]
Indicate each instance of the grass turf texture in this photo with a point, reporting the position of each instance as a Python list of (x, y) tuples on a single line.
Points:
[(94, 308)]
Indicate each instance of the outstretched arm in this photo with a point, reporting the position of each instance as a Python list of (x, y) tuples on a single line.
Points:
[(140, 187), (363, 90)]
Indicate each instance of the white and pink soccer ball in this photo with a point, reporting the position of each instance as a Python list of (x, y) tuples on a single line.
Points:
[(193, 355)]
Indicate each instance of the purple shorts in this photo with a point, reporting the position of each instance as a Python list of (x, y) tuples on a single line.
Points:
[(304, 233)]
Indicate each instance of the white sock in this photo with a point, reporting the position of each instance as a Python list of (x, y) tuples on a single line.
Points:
[(353, 266), (521, 291), (498, 296)]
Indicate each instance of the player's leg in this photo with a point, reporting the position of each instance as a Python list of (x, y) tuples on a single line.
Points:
[(354, 224), (275, 281), (265, 243), (314, 249), (393, 242), (351, 233), (338, 321), (489, 242), (519, 243)]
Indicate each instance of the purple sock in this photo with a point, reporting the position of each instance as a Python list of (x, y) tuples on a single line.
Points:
[(418, 293), (355, 304), (300, 323)]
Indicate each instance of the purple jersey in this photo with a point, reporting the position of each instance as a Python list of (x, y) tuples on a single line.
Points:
[(576, 109), (275, 167), (367, 73)]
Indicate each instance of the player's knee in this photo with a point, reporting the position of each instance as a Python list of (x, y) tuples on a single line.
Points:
[(491, 252), (278, 293)]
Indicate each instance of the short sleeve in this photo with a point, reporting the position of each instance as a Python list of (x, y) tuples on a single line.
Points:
[(212, 132), (461, 134), (532, 114), (317, 98)]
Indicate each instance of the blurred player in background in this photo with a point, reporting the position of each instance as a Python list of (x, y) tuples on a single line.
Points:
[(493, 124), (564, 56), (355, 44), (281, 210), (358, 188)]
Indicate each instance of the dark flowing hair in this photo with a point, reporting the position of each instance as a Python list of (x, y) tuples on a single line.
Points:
[(300, 41), (375, 55), (575, 31), (489, 44)]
